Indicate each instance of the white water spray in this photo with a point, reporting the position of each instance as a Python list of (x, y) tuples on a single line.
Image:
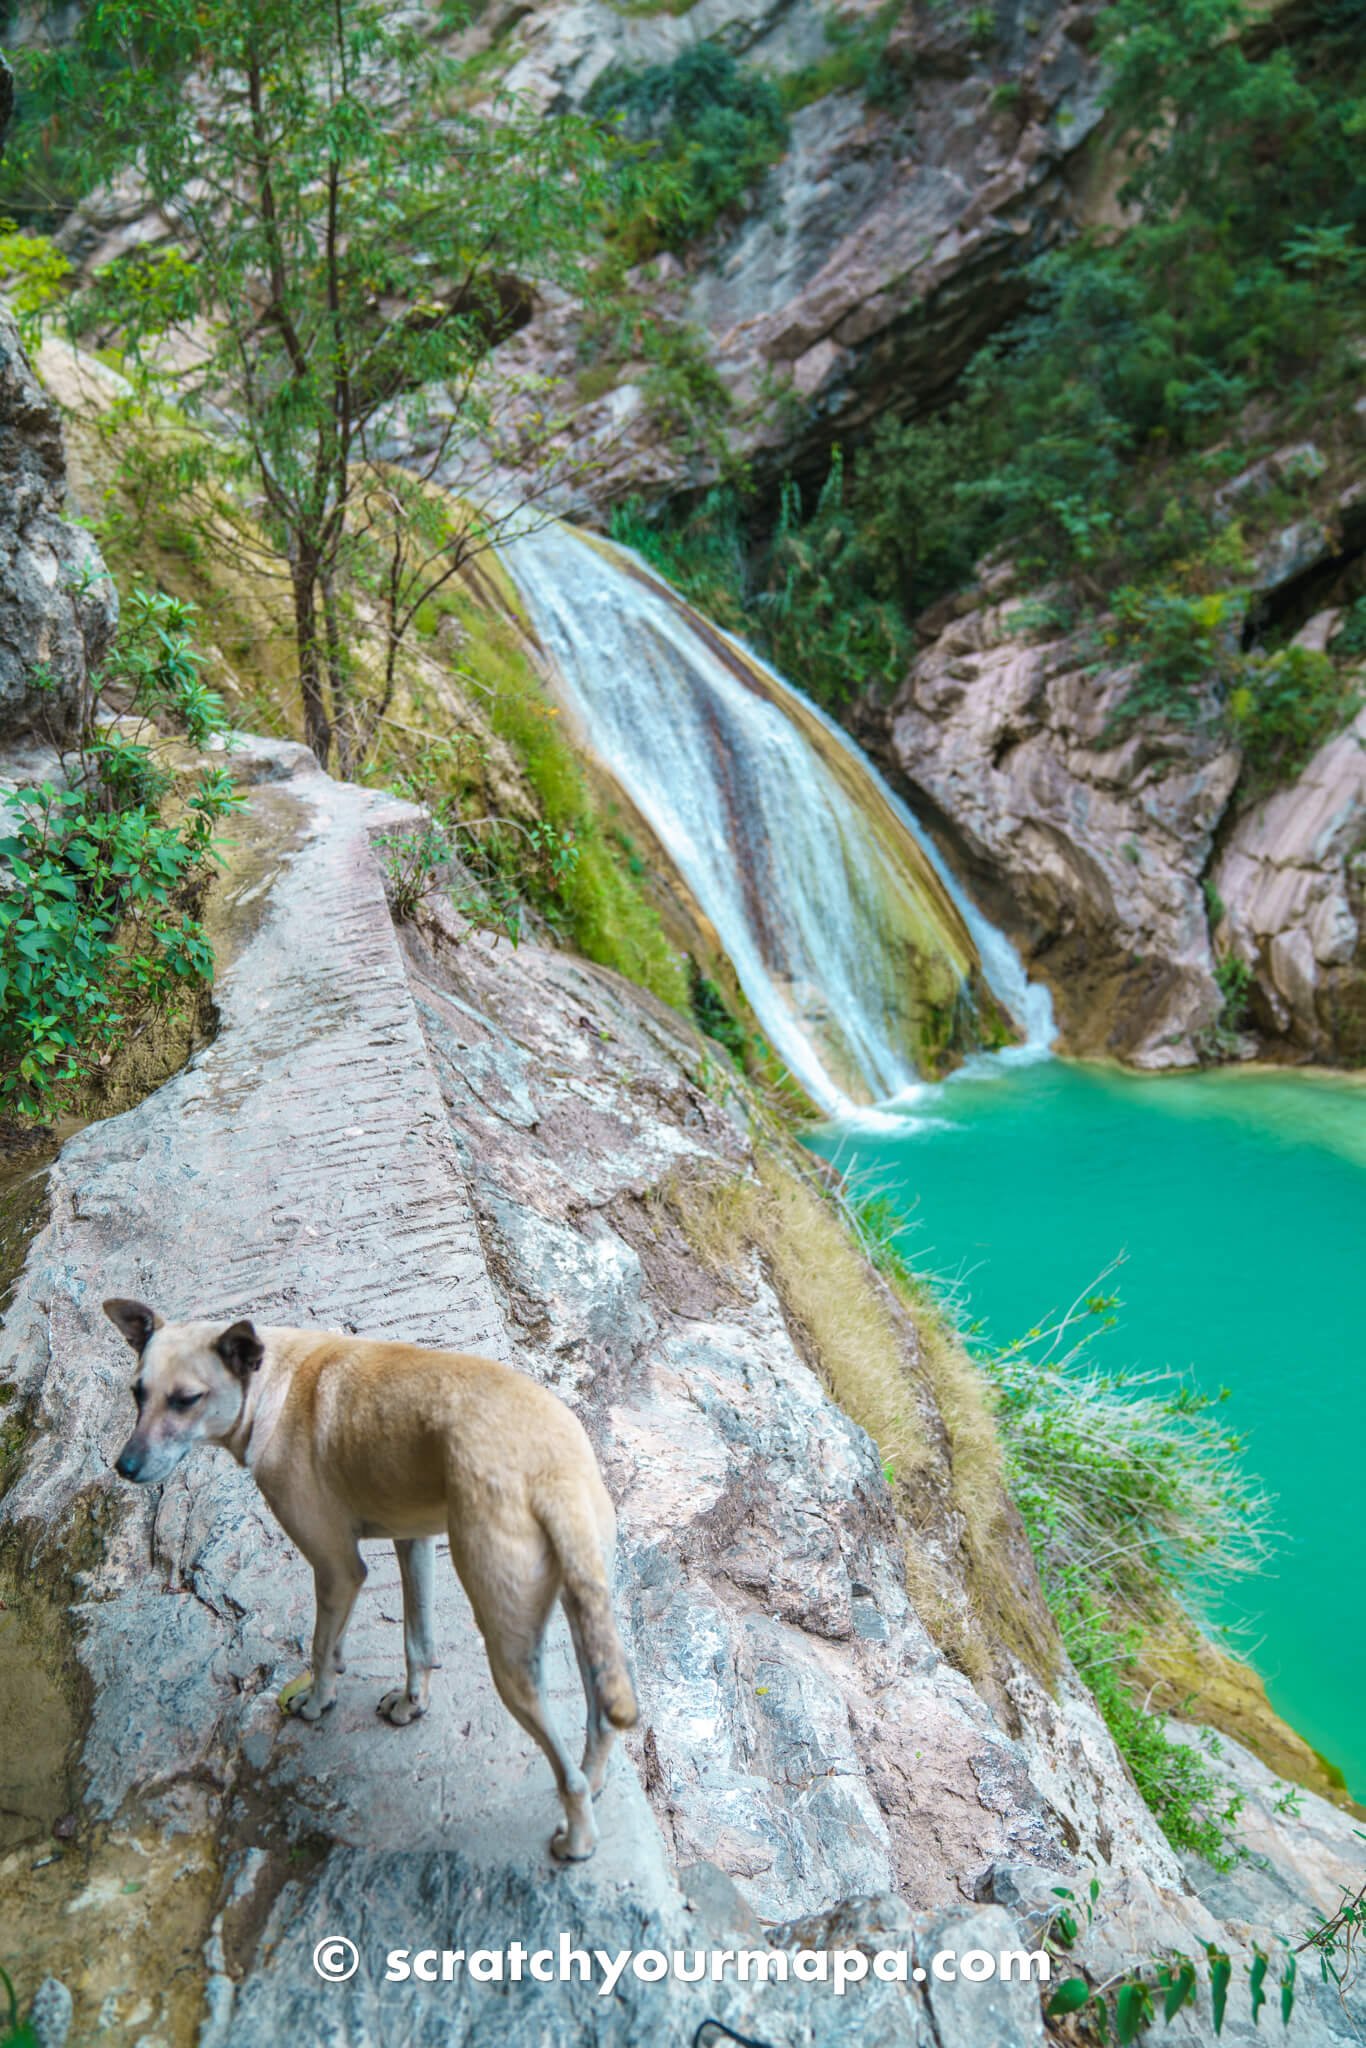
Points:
[(828, 899)]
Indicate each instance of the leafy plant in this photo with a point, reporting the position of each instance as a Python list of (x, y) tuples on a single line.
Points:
[(90, 934), (14, 2032), (1234, 978), (713, 1017), (855, 61), (1337, 1938), (1286, 704), (1195, 1806), (1126, 2006), (94, 929), (705, 128)]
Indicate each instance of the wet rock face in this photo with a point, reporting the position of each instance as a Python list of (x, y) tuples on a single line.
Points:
[(1087, 847), (58, 607)]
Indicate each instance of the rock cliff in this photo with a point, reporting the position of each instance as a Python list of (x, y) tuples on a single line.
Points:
[(1128, 859), (58, 609)]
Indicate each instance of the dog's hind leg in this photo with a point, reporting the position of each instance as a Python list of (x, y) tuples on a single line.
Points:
[(521, 1689), (599, 1734), (513, 1591), (416, 1558)]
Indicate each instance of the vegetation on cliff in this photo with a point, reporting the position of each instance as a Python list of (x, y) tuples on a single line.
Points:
[(97, 932), (1157, 360)]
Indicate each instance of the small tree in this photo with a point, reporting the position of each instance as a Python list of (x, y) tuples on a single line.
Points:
[(349, 237)]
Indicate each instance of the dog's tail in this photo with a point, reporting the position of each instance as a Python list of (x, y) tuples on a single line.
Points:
[(569, 1522)]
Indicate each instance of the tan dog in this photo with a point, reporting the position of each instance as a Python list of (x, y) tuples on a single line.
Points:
[(347, 1439)]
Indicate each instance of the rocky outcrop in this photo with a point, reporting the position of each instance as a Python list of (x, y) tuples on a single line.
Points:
[(58, 607), (1124, 857), (1087, 847), (481, 1147), (1291, 889), (872, 261)]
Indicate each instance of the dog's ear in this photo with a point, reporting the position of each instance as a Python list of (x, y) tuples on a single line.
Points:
[(134, 1320), (240, 1349)]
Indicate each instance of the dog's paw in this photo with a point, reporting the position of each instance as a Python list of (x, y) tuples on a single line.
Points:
[(301, 1699), (575, 1846), (400, 1707)]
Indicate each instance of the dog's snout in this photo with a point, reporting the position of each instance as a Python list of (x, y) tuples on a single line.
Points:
[(128, 1463)]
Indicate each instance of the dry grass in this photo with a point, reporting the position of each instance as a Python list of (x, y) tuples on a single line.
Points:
[(826, 1288), (891, 1364)]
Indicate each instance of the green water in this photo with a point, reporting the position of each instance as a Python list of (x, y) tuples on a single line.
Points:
[(1239, 1203)]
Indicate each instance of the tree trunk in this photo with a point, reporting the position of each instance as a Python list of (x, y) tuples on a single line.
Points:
[(343, 724), (317, 727)]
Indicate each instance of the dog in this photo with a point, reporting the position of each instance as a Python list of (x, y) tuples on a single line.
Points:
[(349, 1438)]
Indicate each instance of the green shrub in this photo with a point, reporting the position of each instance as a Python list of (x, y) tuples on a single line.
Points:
[(713, 1017), (1135, 1501), (855, 61), (707, 127), (1234, 978), (90, 936), (1349, 642), (1283, 706)]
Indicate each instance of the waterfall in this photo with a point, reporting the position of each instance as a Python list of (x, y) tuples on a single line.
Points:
[(864, 963)]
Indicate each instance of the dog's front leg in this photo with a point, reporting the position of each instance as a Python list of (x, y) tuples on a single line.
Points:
[(416, 1562), (336, 1582)]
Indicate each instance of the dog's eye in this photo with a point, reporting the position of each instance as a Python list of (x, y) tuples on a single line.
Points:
[(183, 1401)]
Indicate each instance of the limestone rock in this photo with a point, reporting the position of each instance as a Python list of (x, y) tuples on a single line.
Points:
[(1087, 847), (1292, 880), (58, 607)]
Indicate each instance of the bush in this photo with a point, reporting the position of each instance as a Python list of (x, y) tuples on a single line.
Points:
[(89, 933), (91, 937), (707, 126), (1284, 706)]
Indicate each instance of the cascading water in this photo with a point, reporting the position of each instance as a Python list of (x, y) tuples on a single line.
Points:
[(860, 956)]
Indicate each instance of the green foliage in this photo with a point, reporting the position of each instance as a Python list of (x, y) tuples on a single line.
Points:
[(705, 127), (713, 1017), (1083, 438), (1336, 1939), (1286, 704), (1131, 1493), (705, 556), (358, 235), (90, 935), (1234, 978), (1191, 1802), (14, 2032), (1128, 1477), (561, 861), (1183, 645), (1125, 2009), (1349, 642), (855, 61), (94, 933), (33, 271)]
